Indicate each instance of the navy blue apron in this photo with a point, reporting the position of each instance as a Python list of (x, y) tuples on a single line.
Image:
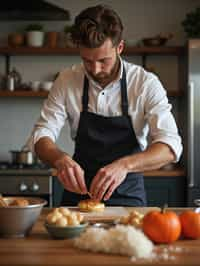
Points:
[(101, 140)]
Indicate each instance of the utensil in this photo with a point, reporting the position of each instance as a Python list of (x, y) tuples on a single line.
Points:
[(17, 221)]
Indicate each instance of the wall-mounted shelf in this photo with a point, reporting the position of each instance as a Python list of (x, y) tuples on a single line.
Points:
[(26, 93), (23, 93), (142, 51), (10, 51)]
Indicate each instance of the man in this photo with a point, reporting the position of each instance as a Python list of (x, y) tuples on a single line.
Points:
[(112, 107)]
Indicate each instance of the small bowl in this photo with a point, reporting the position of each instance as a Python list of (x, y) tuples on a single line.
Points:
[(157, 41), (46, 85), (17, 221), (35, 85), (104, 225), (59, 232)]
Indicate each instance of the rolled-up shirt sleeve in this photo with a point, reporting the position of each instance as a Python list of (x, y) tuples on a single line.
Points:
[(53, 115), (162, 125)]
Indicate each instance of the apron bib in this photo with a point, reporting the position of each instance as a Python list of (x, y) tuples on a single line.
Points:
[(99, 141)]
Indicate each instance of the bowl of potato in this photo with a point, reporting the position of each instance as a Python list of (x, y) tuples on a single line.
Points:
[(62, 223)]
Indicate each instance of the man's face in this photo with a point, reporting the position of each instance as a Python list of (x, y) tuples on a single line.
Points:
[(102, 63)]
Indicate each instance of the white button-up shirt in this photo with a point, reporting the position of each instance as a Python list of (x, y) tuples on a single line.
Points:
[(148, 106)]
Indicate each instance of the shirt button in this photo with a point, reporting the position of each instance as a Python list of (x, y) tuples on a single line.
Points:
[(102, 93)]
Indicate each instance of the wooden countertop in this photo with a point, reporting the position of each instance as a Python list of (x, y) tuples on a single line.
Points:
[(40, 249), (168, 171)]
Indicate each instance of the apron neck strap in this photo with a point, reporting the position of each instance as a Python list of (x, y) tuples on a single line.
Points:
[(124, 97), (85, 94), (124, 100)]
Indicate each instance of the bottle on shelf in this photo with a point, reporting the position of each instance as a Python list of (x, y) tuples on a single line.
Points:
[(17, 78), (10, 83)]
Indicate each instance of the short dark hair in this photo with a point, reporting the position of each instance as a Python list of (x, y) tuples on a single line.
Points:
[(94, 25)]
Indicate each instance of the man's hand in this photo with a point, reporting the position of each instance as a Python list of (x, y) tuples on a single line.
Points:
[(108, 179), (71, 174), (111, 176)]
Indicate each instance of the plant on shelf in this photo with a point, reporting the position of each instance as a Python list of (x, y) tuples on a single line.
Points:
[(191, 23), (34, 35), (34, 27)]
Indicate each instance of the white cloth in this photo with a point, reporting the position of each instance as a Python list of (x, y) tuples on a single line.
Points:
[(149, 109)]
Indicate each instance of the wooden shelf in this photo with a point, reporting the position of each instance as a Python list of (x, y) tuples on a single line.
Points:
[(21, 93), (24, 93), (10, 51), (154, 50), (142, 50), (175, 171), (168, 172), (68, 51), (27, 93)]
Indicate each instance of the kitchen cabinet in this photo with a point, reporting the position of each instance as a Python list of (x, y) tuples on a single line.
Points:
[(57, 192), (166, 189), (162, 186), (142, 51)]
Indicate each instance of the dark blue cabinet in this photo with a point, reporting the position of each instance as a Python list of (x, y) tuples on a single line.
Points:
[(160, 190), (170, 190), (57, 192)]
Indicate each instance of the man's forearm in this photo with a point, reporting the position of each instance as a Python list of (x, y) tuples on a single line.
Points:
[(48, 151), (154, 157)]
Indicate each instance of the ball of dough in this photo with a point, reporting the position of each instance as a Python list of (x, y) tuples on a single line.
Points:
[(50, 218), (89, 205), (64, 211), (19, 202), (72, 219), (62, 221)]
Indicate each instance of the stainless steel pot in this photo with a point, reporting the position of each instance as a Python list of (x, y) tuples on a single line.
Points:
[(22, 157)]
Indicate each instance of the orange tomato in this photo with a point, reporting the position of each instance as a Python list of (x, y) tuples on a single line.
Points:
[(162, 227), (190, 222)]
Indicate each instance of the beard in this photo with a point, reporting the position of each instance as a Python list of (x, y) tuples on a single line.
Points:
[(104, 78)]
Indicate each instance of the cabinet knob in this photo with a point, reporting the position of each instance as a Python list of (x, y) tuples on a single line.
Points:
[(35, 187), (23, 187)]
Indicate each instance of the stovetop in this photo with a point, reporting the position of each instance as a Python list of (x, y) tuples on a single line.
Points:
[(7, 168)]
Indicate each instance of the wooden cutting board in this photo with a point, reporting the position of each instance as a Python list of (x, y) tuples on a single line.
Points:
[(109, 214)]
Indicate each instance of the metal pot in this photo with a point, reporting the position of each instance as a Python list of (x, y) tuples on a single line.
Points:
[(22, 157)]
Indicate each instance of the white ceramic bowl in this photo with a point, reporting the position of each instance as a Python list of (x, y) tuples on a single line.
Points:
[(46, 85), (35, 85)]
